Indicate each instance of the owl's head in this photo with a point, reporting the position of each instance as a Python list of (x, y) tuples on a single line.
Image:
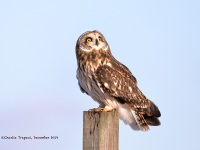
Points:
[(91, 41)]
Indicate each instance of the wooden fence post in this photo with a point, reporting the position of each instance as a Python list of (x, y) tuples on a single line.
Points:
[(100, 130)]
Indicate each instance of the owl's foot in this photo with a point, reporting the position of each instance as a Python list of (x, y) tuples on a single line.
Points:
[(106, 109)]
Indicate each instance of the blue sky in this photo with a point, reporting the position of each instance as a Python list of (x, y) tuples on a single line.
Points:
[(39, 96)]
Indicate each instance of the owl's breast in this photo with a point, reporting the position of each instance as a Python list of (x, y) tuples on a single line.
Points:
[(88, 82)]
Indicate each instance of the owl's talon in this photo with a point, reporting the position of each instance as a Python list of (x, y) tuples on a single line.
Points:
[(96, 109), (102, 109)]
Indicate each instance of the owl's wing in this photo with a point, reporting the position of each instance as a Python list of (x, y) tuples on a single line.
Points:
[(118, 83), (82, 90), (126, 72)]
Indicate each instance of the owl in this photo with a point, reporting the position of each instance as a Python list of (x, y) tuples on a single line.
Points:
[(111, 84)]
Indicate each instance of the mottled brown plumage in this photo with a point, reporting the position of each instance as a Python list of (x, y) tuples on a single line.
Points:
[(111, 84)]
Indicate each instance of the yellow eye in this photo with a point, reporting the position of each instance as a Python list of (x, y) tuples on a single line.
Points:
[(100, 39), (89, 39)]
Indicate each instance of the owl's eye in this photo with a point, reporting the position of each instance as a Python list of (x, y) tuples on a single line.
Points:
[(89, 39), (100, 39)]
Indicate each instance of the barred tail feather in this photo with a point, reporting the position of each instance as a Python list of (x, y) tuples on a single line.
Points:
[(134, 119), (140, 120), (126, 116)]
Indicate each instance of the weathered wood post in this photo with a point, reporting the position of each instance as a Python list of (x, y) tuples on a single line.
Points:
[(100, 130)]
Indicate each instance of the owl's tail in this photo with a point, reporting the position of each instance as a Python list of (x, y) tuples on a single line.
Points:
[(152, 116), (147, 116), (139, 120), (133, 118)]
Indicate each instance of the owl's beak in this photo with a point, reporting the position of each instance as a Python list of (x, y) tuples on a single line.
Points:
[(97, 42)]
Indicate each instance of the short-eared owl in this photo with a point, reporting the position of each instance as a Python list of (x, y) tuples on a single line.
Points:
[(111, 83)]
